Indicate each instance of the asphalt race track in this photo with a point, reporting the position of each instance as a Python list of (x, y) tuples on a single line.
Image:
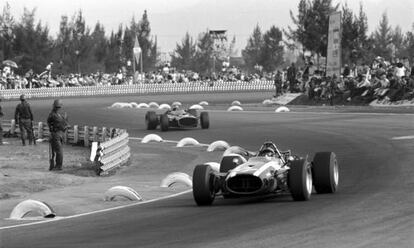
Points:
[(374, 206)]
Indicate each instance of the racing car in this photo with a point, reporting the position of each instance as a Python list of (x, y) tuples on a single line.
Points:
[(268, 171), (177, 118)]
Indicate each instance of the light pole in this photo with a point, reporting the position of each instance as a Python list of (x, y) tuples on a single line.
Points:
[(77, 60)]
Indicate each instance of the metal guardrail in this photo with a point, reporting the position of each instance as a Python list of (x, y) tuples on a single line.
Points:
[(113, 150), (143, 89)]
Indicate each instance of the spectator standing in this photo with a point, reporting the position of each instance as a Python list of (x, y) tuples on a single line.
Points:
[(1, 129), (291, 75), (23, 117), (58, 123)]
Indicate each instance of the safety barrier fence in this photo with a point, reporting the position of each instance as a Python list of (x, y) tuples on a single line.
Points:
[(164, 88), (111, 148)]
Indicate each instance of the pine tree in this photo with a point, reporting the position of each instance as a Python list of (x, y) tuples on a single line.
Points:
[(6, 33), (253, 50), (382, 38), (32, 43), (272, 50), (184, 54), (204, 53)]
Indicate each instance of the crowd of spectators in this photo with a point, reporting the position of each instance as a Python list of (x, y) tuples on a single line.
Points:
[(167, 74), (382, 80)]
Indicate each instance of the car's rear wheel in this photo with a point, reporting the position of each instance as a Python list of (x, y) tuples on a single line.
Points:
[(203, 185), (164, 122), (151, 120), (229, 162), (204, 120), (325, 171), (300, 180)]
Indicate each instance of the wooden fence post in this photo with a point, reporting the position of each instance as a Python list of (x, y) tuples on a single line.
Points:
[(75, 134), (40, 130), (95, 134), (86, 136), (12, 126), (103, 136)]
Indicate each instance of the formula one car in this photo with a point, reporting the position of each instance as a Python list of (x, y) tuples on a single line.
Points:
[(178, 118), (269, 171)]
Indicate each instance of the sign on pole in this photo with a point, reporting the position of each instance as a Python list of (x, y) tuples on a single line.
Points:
[(333, 61)]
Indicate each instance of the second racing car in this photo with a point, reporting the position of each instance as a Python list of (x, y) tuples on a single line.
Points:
[(177, 118)]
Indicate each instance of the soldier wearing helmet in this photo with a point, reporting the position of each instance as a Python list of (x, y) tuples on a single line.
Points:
[(23, 117), (1, 129), (58, 123)]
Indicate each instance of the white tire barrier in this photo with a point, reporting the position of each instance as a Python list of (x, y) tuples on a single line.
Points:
[(134, 104), (151, 137), (197, 107), (235, 150), (218, 145), (121, 105), (176, 177), (235, 108), (30, 206), (165, 106), (267, 102), (122, 191), (187, 141), (214, 165), (178, 104), (153, 105), (236, 103), (203, 103), (282, 109), (142, 105)]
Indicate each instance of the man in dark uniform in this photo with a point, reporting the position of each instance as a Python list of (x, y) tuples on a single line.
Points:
[(58, 123), (1, 129), (23, 117)]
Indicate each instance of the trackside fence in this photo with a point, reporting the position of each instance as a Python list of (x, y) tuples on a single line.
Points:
[(112, 149), (143, 89)]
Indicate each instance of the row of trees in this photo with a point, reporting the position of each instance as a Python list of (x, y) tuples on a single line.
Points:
[(311, 31), (76, 48), (79, 48)]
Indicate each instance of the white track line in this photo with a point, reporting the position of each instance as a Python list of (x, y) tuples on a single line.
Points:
[(306, 112), (170, 141), (58, 218), (403, 137)]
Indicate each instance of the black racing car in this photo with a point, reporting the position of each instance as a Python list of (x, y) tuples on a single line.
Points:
[(177, 118)]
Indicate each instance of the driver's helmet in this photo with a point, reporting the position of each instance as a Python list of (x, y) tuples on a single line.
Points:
[(267, 151), (175, 107)]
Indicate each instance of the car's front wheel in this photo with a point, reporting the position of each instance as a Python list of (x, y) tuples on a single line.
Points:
[(164, 122), (203, 185), (204, 120), (325, 171), (151, 120), (300, 180)]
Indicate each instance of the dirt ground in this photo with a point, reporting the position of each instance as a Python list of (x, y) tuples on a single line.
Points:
[(77, 189)]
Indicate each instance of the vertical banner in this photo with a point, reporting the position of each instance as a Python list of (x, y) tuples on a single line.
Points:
[(333, 60)]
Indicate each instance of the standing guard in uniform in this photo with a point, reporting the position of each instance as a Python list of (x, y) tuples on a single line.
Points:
[(1, 129), (58, 123), (23, 117)]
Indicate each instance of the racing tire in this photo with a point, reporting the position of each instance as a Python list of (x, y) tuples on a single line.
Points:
[(204, 190), (204, 120), (325, 172), (164, 123), (151, 120), (300, 180), (227, 163)]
